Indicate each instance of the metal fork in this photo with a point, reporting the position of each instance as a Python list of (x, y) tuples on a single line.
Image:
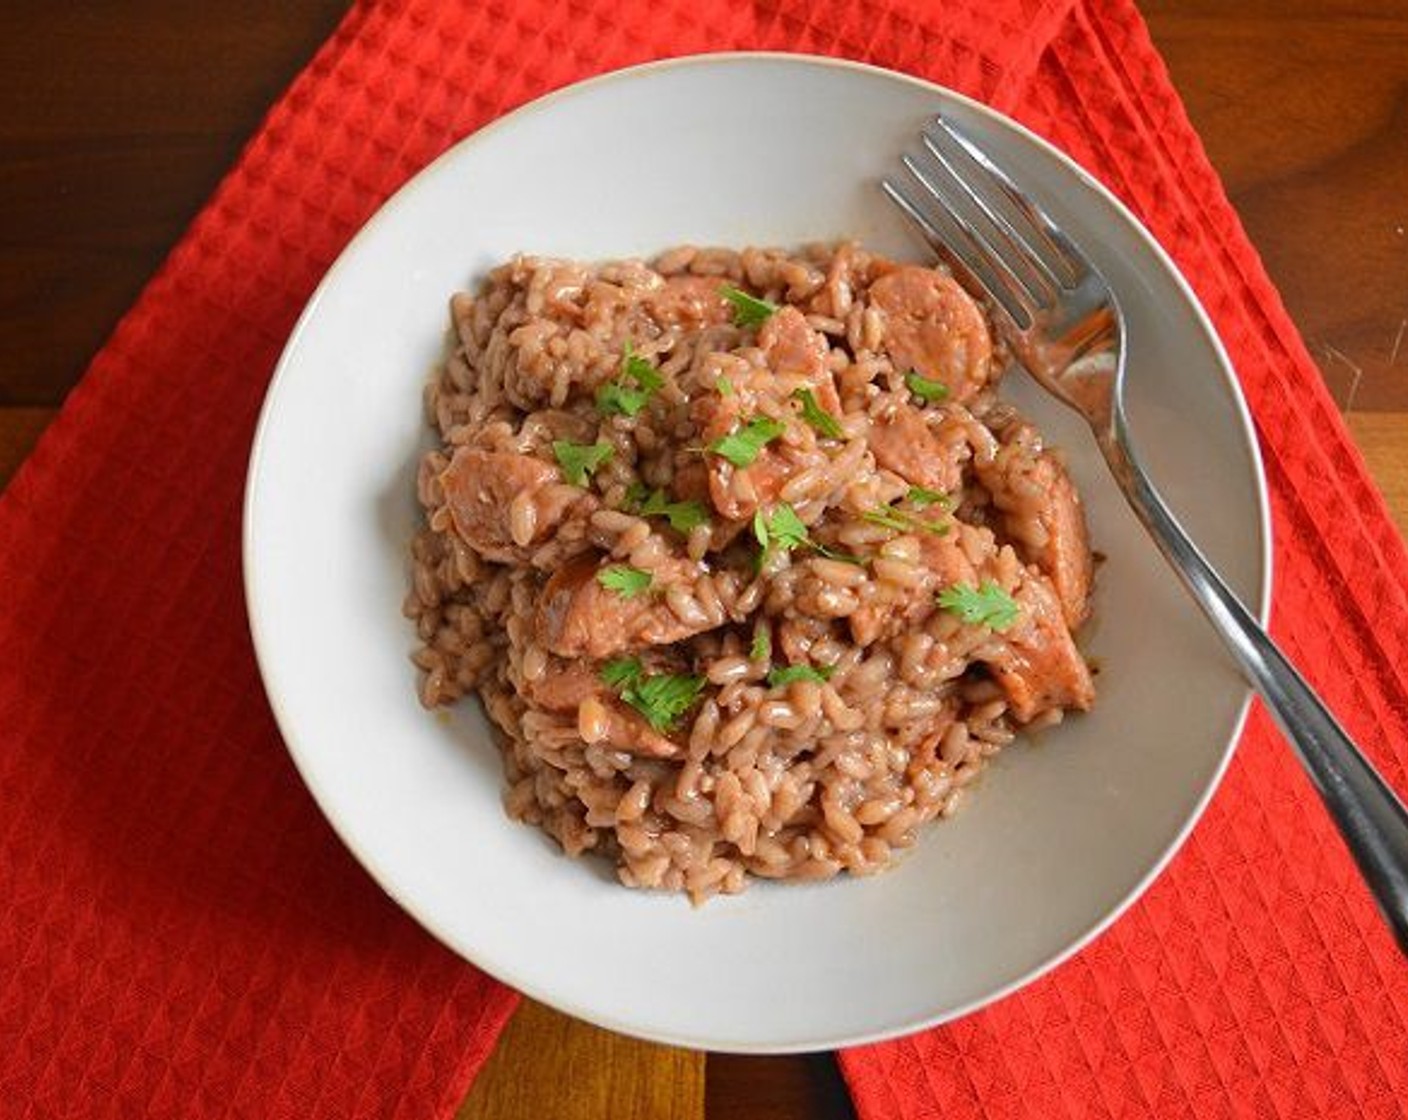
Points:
[(1063, 324)]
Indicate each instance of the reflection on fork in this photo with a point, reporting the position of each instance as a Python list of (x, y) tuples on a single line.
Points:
[(1064, 326)]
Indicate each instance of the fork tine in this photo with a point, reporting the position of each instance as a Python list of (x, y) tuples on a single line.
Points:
[(955, 243), (1056, 242), (1041, 281)]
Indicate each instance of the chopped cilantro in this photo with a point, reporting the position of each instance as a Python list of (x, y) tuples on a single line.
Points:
[(924, 388), (783, 529), (639, 369), (621, 397), (903, 522), (988, 605), (626, 581), (624, 672), (921, 498), (748, 311), (661, 697), (683, 516), (616, 399), (724, 386), (580, 460), (781, 676), (761, 649), (817, 416), (741, 447)]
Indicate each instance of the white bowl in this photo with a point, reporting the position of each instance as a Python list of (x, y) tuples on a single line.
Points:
[(1063, 833)]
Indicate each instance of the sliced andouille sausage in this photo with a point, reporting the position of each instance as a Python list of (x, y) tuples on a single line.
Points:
[(566, 686), (1039, 666), (905, 444), (1064, 553), (935, 328), (791, 346), (1066, 558), (578, 616), (688, 301), (490, 494)]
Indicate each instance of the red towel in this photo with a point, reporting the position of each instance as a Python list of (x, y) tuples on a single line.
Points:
[(181, 934)]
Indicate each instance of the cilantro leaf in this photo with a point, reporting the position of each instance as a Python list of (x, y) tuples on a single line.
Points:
[(621, 397), (791, 673), (760, 529), (843, 557), (988, 605), (623, 672), (922, 498), (761, 649), (924, 388), (661, 697), (616, 399), (741, 447), (683, 516), (626, 581), (640, 370), (580, 460), (818, 417), (902, 521), (786, 528), (724, 386), (748, 311), (781, 529)]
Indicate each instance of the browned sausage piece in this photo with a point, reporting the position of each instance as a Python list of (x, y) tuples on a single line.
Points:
[(503, 503), (904, 444), (1039, 667), (578, 617), (935, 328)]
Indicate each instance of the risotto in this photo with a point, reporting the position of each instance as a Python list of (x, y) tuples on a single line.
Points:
[(745, 557)]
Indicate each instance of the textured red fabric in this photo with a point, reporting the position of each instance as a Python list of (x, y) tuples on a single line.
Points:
[(181, 933)]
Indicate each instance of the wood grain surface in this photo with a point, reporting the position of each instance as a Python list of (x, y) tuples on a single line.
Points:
[(119, 120)]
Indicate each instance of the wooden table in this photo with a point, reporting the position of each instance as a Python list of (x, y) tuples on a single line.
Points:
[(119, 119)]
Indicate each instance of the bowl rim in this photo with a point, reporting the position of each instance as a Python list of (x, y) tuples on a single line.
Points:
[(286, 725)]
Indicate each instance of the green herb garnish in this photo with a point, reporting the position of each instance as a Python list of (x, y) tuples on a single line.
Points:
[(818, 417), (661, 697), (761, 649), (741, 447), (988, 605), (622, 397), (748, 311), (623, 672), (793, 673), (921, 498), (683, 516), (618, 399), (626, 581), (782, 529), (902, 521), (924, 388), (580, 460), (724, 386)]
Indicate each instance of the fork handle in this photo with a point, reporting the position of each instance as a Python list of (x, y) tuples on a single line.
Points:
[(1370, 817)]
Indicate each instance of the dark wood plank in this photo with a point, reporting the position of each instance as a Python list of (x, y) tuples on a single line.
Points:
[(119, 121), (547, 1065), (1303, 108), (20, 429), (792, 1087)]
